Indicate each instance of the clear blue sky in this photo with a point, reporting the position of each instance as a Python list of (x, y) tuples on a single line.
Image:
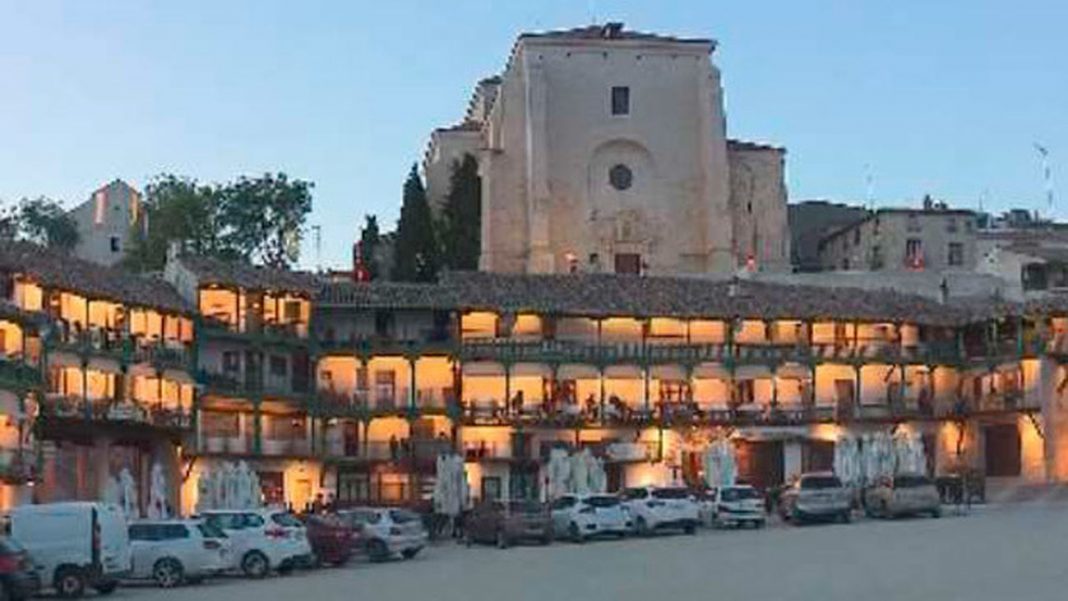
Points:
[(945, 97)]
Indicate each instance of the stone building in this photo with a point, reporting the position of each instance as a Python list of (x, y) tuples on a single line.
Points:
[(353, 389), (603, 149), (96, 380), (810, 221), (107, 221), (933, 238)]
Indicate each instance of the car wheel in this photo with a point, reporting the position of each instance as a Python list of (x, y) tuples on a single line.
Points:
[(255, 564), (69, 583), (689, 529), (641, 526), (410, 553), (502, 540), (936, 512), (286, 567), (377, 550), (574, 533), (167, 573)]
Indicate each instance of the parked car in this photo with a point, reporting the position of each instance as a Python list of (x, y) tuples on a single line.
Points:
[(171, 552), (583, 516), (74, 545), (816, 495), (661, 508), (263, 539), (388, 532), (706, 506), (333, 540), (18, 578), (904, 494), (739, 505), (507, 522)]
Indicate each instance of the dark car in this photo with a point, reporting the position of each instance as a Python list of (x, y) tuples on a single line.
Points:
[(333, 540), (17, 575), (506, 522)]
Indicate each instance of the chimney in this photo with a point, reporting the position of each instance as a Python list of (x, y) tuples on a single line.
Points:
[(360, 273)]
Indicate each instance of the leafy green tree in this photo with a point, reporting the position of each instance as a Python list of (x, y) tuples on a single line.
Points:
[(177, 209), (461, 218), (416, 254), (263, 218), (45, 222), (370, 238)]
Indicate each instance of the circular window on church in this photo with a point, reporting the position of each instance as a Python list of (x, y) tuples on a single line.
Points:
[(620, 177)]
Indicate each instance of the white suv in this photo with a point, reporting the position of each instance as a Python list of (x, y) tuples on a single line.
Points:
[(581, 516), (171, 552), (656, 508), (263, 539), (388, 532)]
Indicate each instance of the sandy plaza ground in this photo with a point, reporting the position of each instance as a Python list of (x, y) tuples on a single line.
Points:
[(993, 553)]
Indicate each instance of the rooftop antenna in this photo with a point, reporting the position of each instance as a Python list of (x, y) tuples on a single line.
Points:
[(318, 229), (869, 187), (1047, 176)]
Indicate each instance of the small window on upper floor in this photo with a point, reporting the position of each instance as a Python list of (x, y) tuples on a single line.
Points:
[(913, 223), (951, 225), (620, 100), (115, 244)]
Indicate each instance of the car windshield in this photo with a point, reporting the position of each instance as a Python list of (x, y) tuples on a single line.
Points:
[(287, 520), (820, 482), (603, 501), (635, 493), (403, 516), (524, 507), (739, 494), (671, 493), (209, 530), (911, 481)]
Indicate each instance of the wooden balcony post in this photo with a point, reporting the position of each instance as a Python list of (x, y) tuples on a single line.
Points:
[(411, 383), (507, 386), (257, 426)]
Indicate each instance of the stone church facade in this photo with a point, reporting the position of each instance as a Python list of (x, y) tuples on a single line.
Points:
[(603, 149)]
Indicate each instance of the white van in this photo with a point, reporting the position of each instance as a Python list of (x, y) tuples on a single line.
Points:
[(74, 545)]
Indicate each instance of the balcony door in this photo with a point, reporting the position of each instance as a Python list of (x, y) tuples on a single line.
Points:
[(629, 263)]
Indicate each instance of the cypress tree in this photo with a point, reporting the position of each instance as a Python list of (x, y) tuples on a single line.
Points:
[(416, 257), (461, 220)]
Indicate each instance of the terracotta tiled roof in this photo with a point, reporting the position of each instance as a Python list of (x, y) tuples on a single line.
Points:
[(235, 273), (619, 295), (56, 270), (387, 295)]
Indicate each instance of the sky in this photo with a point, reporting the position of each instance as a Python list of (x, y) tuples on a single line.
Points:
[(944, 97)]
